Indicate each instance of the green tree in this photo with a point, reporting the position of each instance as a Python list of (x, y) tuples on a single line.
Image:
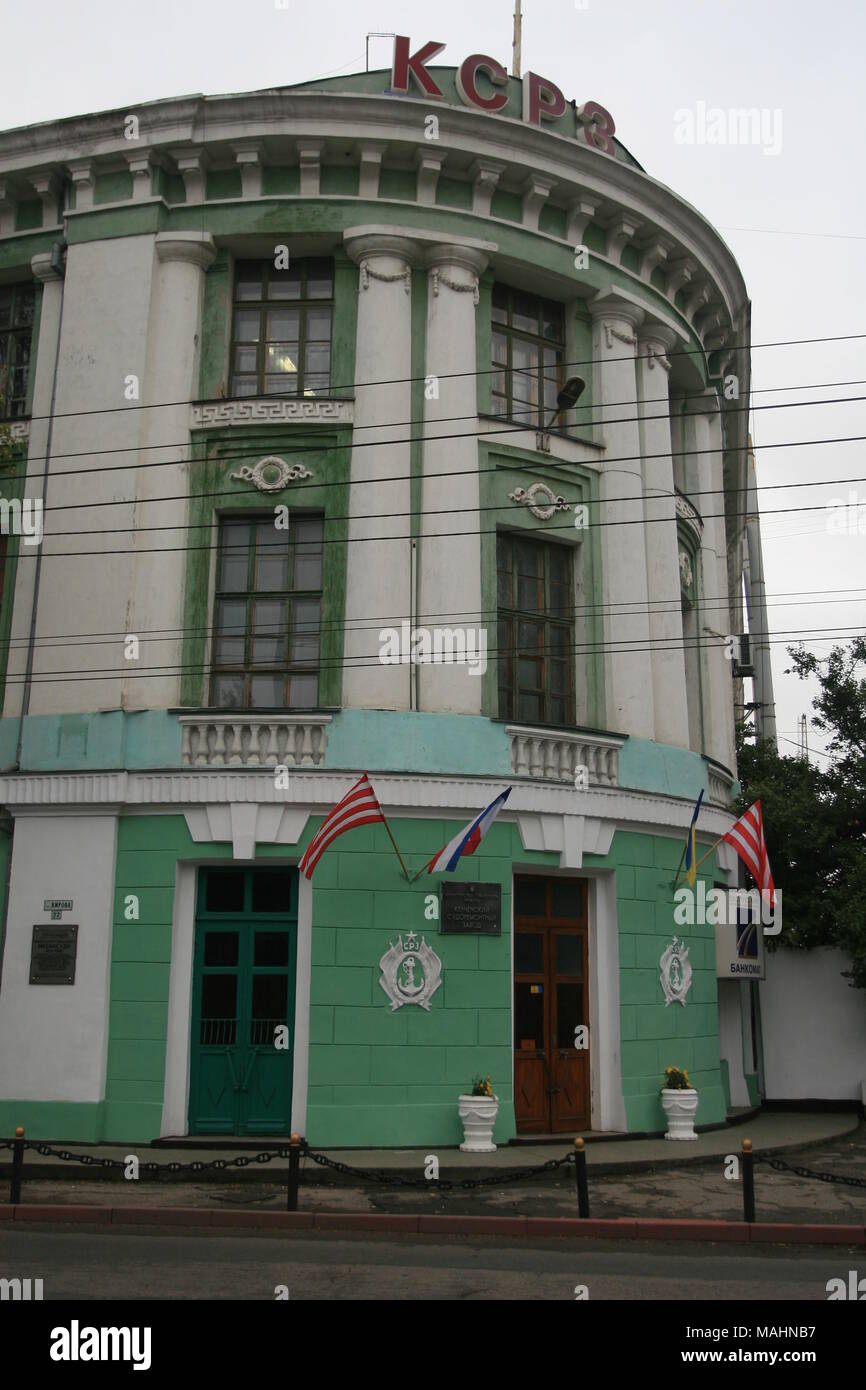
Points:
[(815, 818)]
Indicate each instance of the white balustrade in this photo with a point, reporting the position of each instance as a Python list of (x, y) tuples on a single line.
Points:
[(556, 756), (266, 740)]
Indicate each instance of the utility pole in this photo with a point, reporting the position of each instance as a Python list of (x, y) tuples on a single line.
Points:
[(515, 43)]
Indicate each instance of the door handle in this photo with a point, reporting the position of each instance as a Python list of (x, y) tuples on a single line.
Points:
[(553, 1090)]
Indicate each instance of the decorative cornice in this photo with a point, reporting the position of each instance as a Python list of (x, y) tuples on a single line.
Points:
[(690, 515), (80, 793), (269, 411)]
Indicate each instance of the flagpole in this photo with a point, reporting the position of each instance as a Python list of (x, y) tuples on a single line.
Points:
[(680, 865), (709, 851), (396, 851)]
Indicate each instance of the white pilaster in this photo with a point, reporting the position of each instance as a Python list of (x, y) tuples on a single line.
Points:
[(705, 479), (171, 375), (378, 570), (628, 661), (663, 575), (450, 569)]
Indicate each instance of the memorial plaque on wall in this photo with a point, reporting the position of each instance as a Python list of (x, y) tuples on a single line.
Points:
[(53, 954), (472, 907)]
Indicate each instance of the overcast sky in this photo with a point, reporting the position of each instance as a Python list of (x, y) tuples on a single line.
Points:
[(793, 219)]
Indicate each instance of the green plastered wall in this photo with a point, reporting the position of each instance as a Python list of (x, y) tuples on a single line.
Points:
[(148, 848), (655, 1035), (380, 1077)]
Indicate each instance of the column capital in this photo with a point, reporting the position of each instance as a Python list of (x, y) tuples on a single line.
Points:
[(368, 245), (655, 341), (451, 253), (44, 268), (194, 248)]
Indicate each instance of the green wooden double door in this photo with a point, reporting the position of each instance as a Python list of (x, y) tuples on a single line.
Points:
[(243, 1005)]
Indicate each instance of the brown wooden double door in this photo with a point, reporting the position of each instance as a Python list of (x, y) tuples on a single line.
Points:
[(551, 1073)]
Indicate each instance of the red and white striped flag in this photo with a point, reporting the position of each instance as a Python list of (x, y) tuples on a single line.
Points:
[(358, 807), (747, 838)]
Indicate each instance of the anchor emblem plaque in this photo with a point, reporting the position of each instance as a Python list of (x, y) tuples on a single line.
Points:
[(675, 973), (411, 974)]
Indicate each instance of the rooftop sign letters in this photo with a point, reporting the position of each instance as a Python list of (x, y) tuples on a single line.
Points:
[(542, 99)]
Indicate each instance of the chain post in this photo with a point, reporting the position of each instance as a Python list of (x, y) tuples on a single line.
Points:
[(17, 1167), (748, 1181), (580, 1177), (294, 1173)]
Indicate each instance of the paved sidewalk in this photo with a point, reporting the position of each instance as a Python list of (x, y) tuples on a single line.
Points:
[(663, 1193), (770, 1132)]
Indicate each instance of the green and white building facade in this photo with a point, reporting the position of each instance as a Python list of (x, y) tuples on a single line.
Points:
[(281, 369)]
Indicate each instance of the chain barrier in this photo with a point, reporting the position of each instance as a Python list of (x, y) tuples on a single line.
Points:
[(440, 1184), (783, 1167), (155, 1169), (381, 1176)]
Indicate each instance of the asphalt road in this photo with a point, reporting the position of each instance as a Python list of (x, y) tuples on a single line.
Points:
[(129, 1265)]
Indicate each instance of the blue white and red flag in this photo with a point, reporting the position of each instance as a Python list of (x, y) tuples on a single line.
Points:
[(468, 839)]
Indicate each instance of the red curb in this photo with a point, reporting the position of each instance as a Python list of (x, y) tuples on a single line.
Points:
[(580, 1226), (365, 1221), (543, 1226), (816, 1235), (676, 1229), (473, 1225), (294, 1220), (96, 1215), (159, 1216)]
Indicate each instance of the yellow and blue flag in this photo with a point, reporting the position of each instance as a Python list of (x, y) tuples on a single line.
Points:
[(691, 870)]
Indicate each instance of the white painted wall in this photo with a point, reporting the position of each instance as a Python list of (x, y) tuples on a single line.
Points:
[(733, 999), (814, 1027), (54, 1038)]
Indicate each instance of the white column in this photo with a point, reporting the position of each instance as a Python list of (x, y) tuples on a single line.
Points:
[(705, 476), (170, 382), (378, 570), (662, 557), (628, 662), (450, 564)]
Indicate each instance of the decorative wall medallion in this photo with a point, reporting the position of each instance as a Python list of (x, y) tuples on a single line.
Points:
[(676, 973), (541, 500), (686, 576), (411, 974), (271, 474)]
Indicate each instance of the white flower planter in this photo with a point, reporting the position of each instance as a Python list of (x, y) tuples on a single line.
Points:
[(680, 1108), (478, 1114)]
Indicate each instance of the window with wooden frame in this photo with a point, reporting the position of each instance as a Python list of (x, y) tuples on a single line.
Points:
[(528, 353), (281, 329), (267, 613), (535, 640), (17, 304)]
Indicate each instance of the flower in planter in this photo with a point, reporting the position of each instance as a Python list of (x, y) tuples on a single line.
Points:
[(482, 1088), (676, 1079)]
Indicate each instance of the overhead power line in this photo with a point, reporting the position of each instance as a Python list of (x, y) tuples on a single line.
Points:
[(130, 406)]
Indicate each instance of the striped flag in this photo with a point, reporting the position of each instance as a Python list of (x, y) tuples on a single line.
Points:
[(691, 868), (358, 807), (747, 838), (469, 838)]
